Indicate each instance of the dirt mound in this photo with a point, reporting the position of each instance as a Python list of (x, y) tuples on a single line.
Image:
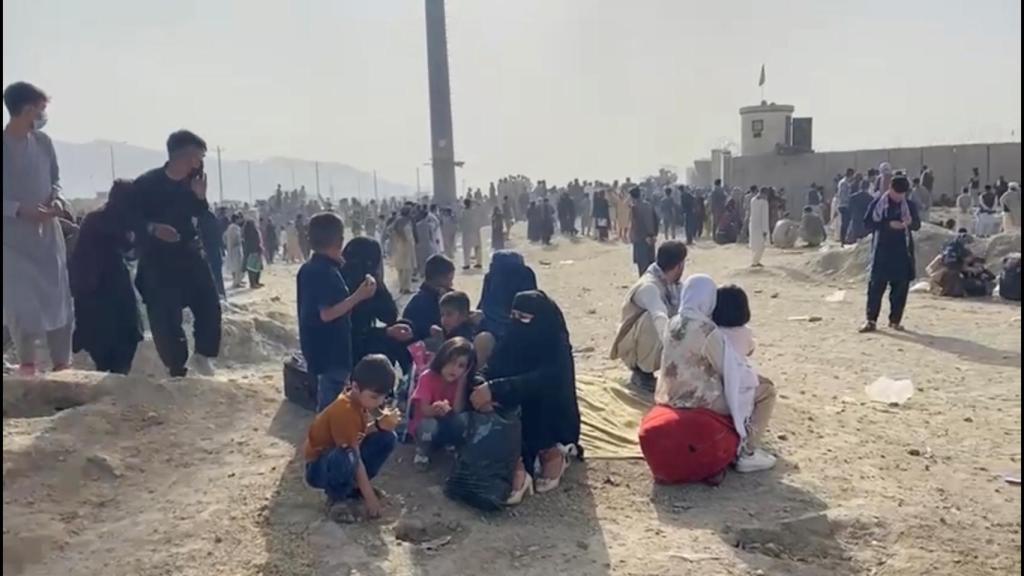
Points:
[(85, 451), (851, 263), (246, 339)]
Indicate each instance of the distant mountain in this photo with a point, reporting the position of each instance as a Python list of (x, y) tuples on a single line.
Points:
[(87, 169)]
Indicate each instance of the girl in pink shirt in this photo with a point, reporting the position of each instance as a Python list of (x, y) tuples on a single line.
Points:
[(440, 396)]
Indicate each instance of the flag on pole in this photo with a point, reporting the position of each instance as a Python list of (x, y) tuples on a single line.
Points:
[(761, 81)]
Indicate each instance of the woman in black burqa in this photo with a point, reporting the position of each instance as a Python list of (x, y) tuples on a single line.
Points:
[(107, 322), (363, 256), (533, 369)]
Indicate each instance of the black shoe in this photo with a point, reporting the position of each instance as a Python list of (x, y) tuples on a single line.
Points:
[(868, 328), (897, 327)]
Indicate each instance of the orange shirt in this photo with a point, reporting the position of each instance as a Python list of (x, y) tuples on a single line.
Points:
[(341, 425)]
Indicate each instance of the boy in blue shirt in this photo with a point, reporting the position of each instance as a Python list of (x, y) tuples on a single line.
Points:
[(325, 305)]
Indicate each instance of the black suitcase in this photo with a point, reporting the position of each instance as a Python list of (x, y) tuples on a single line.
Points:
[(299, 385)]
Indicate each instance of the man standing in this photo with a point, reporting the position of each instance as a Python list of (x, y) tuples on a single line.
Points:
[(975, 185), (669, 216), (928, 179), (650, 304), (643, 225), (922, 196), (472, 242), (37, 294), (845, 193), (688, 214), (173, 274), (759, 227), (718, 200), (1011, 208)]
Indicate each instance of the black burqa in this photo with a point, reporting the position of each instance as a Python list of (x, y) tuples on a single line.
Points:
[(107, 321), (363, 256), (533, 369)]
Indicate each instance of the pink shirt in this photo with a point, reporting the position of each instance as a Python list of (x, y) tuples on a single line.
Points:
[(431, 388)]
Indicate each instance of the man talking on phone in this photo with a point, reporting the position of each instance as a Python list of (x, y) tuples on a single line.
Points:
[(173, 272)]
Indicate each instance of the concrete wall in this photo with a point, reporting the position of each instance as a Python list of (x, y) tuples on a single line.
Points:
[(702, 169), (950, 164)]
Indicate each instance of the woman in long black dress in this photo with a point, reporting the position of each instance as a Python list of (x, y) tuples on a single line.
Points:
[(533, 369), (107, 323), (374, 328)]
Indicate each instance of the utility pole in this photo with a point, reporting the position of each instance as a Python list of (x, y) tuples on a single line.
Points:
[(419, 189), (220, 173), (441, 144), (113, 165), (248, 169), (316, 168), (376, 192)]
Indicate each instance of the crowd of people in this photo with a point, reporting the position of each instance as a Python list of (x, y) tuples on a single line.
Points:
[(509, 358)]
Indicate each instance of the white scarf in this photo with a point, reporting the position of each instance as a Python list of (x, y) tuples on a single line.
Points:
[(738, 376)]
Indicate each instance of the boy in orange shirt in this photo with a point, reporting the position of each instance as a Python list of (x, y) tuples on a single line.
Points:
[(345, 447)]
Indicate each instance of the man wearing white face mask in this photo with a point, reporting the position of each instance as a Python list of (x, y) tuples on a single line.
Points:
[(37, 295)]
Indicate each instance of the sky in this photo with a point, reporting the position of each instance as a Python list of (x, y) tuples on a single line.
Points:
[(554, 89)]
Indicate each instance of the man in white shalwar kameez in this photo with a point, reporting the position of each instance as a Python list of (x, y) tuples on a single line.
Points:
[(37, 293), (759, 227)]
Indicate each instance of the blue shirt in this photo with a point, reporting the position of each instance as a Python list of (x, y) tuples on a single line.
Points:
[(327, 346)]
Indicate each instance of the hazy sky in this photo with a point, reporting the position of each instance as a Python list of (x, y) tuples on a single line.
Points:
[(550, 88)]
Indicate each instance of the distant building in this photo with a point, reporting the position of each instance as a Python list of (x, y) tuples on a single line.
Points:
[(776, 150)]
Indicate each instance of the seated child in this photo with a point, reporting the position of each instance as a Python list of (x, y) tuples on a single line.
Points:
[(423, 311), (439, 397), (345, 448), (457, 321), (732, 314)]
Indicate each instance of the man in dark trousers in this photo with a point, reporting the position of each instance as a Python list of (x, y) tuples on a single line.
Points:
[(173, 273), (643, 231)]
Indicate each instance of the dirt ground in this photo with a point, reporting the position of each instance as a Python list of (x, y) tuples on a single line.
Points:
[(145, 476)]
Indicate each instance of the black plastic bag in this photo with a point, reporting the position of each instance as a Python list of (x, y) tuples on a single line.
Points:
[(299, 384), (1009, 280), (485, 465)]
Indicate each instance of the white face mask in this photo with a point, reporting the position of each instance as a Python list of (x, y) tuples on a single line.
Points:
[(40, 122)]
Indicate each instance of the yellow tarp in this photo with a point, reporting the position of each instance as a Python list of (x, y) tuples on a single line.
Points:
[(611, 414)]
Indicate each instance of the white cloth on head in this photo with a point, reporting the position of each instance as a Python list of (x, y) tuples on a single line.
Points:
[(739, 378)]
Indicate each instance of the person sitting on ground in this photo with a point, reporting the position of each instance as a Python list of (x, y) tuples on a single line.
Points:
[(812, 229), (441, 395), (507, 276), (457, 321), (702, 369), (423, 311), (324, 308), (649, 305), (957, 272), (533, 369), (731, 315), (346, 448), (728, 224), (375, 327), (786, 233), (107, 322)]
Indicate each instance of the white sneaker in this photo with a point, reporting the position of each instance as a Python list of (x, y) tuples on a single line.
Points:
[(756, 461), (202, 365)]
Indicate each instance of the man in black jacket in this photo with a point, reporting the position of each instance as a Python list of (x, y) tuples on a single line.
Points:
[(173, 272)]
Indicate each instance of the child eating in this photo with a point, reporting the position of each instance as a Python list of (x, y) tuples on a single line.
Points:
[(345, 448), (440, 396)]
